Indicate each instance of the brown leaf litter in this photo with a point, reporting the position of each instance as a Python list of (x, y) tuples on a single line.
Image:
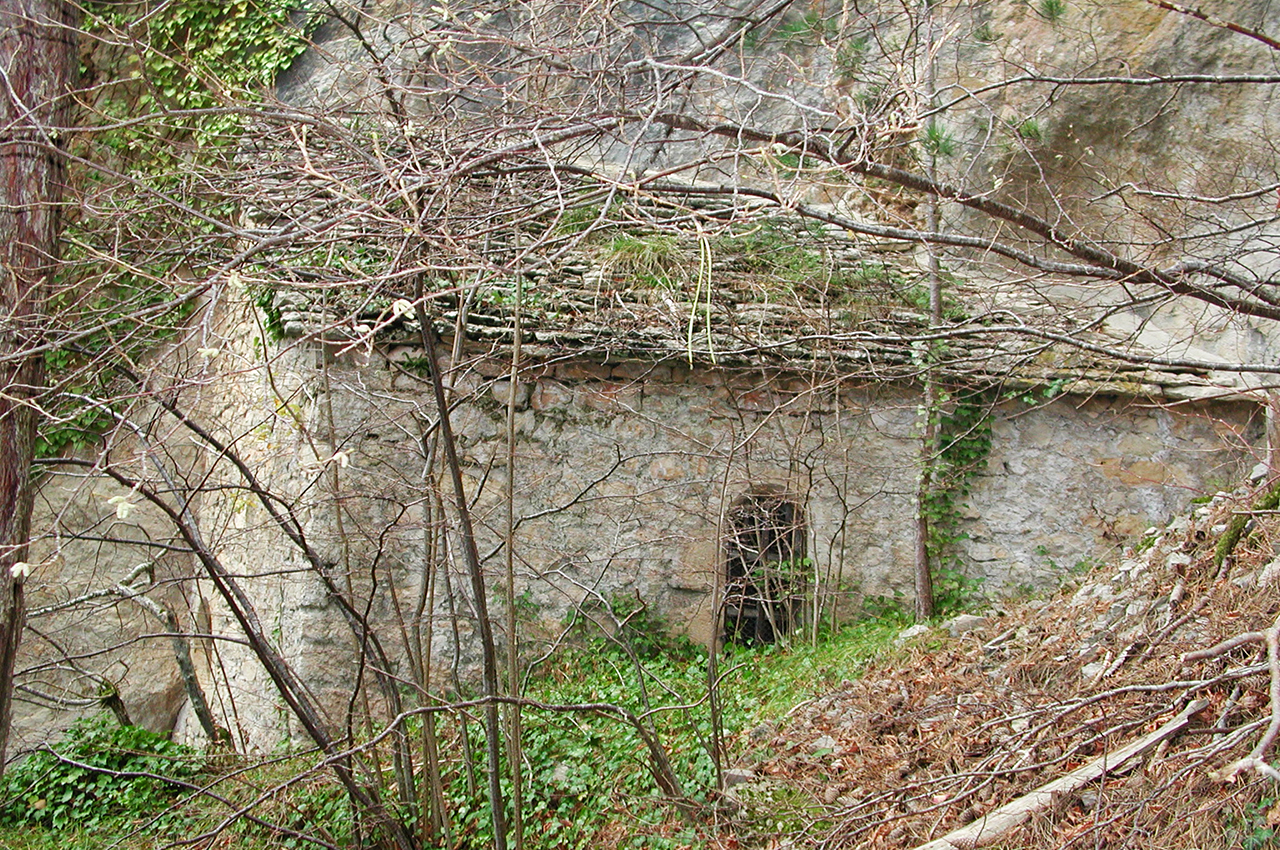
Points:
[(946, 729)]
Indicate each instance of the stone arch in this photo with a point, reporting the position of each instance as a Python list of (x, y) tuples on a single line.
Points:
[(765, 567)]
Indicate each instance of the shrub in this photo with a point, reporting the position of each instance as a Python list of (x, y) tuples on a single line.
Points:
[(97, 771)]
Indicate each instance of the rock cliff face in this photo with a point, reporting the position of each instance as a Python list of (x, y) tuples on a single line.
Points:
[(1176, 174), (628, 450), (83, 642), (1137, 129)]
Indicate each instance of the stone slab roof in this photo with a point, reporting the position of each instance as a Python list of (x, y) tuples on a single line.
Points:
[(579, 309)]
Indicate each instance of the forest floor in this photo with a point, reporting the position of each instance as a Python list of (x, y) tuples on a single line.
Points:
[(961, 724), (1135, 707)]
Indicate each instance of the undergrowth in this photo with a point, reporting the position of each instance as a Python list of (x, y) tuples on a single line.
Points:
[(586, 778), (100, 777)]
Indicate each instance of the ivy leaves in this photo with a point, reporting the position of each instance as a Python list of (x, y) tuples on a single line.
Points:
[(100, 770), (198, 55), (965, 432), (163, 91)]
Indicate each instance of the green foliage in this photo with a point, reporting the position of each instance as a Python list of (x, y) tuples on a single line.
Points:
[(586, 776), (78, 783), (1262, 837), (1253, 827), (937, 140), (1042, 393), (321, 808), (193, 55), (142, 64), (1240, 523), (811, 28), (1031, 131), (1052, 10), (873, 98), (584, 768), (110, 333), (965, 435), (777, 809), (769, 680), (881, 607), (272, 321), (1085, 565), (953, 591), (790, 165), (851, 55), (644, 633), (769, 247), (880, 283), (917, 296), (985, 34), (793, 572), (880, 280), (777, 259), (71, 424), (577, 220), (781, 259)]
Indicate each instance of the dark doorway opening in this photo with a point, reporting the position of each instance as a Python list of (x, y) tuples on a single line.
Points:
[(765, 566)]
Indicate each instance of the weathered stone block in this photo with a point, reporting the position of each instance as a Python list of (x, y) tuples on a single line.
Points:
[(671, 468), (501, 393), (551, 395), (657, 372), (584, 371), (610, 397), (759, 401), (491, 367)]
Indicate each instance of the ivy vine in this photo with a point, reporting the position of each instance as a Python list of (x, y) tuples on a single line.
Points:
[(194, 56), (965, 444), (156, 84)]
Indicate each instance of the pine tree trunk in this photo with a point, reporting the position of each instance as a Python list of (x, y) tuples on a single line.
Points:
[(39, 60), (930, 442)]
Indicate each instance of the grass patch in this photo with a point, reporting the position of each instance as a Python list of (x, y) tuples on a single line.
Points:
[(1031, 130), (1052, 10), (649, 260), (779, 676)]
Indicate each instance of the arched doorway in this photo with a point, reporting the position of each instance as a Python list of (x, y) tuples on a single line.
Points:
[(765, 566)]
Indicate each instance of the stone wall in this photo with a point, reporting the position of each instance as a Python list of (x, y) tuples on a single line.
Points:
[(1069, 482), (621, 478), (622, 472)]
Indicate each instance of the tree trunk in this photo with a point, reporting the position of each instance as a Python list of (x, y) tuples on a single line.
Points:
[(470, 557), (930, 442), (39, 61)]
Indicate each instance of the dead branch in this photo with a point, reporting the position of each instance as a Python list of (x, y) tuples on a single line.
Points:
[(1223, 647), (1256, 760), (993, 827)]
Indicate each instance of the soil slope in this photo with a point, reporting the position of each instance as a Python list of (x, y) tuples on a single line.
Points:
[(966, 718)]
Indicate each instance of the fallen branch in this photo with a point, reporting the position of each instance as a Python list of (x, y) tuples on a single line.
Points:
[(995, 826), (1224, 647), (1255, 761)]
